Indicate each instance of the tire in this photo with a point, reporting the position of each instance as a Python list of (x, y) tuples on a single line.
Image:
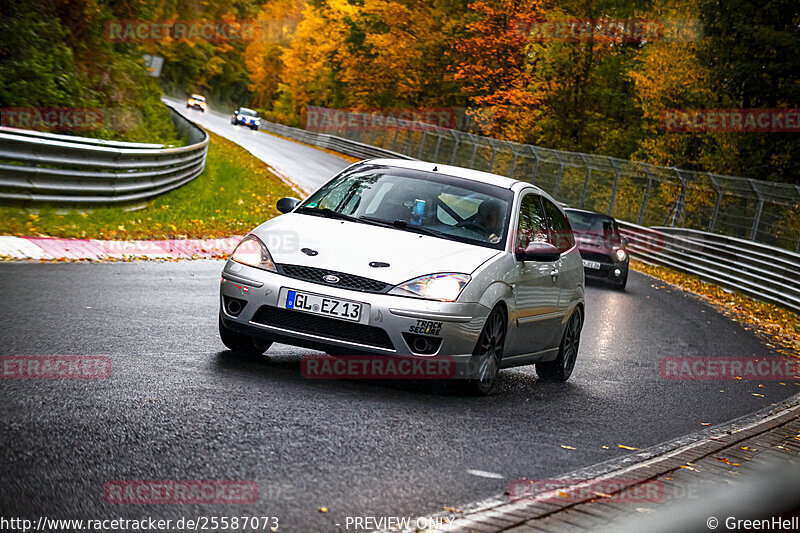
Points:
[(560, 369), (242, 344), (488, 353)]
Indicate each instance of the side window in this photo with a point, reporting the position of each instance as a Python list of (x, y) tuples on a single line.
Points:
[(560, 231), (532, 226)]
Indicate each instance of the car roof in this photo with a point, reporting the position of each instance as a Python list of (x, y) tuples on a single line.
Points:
[(198, 96), (587, 212), (459, 172)]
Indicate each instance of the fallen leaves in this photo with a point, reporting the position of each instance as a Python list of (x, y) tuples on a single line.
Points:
[(567, 447), (778, 327)]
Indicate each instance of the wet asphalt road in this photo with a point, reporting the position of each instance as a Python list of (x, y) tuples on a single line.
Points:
[(307, 167), (179, 406)]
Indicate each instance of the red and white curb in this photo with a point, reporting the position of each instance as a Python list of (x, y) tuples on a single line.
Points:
[(48, 248)]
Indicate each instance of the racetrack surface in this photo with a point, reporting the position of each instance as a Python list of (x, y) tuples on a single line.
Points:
[(307, 167), (179, 406)]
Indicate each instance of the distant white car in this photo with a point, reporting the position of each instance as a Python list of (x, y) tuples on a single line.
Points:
[(197, 102), (405, 258)]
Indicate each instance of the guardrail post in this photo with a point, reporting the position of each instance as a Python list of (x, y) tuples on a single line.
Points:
[(494, 153), (614, 188), (406, 143), (759, 209), (422, 144), (557, 185), (455, 149), (394, 139), (646, 194), (535, 164), (438, 144), (678, 210), (474, 150), (586, 181), (513, 166), (715, 212)]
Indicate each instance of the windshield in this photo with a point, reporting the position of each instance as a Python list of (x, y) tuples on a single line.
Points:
[(590, 222), (417, 201), (247, 112)]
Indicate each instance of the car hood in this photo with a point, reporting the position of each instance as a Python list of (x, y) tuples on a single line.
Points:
[(350, 247)]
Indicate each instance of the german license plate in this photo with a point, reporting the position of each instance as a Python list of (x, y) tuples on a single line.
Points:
[(323, 305), (591, 264)]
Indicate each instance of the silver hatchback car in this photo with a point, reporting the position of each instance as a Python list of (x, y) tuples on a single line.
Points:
[(407, 258)]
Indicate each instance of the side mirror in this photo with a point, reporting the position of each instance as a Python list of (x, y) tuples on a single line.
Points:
[(539, 251), (287, 204)]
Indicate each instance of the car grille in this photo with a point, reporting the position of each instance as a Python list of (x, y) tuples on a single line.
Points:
[(346, 281), (596, 256), (322, 326)]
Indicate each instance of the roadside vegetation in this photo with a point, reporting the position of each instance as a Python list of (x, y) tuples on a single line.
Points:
[(235, 193), (778, 327)]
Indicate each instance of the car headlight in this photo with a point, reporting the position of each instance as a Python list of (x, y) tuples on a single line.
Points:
[(443, 287), (252, 252), (621, 254)]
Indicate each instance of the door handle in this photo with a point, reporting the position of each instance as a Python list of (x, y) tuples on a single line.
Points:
[(554, 274)]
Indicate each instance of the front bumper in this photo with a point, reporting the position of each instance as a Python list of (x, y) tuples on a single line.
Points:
[(385, 318), (608, 271), (245, 122)]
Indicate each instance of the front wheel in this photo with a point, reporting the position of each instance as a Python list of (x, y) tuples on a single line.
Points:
[(242, 344), (560, 369), (485, 362)]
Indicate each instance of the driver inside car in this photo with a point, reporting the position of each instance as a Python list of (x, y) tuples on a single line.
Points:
[(488, 217)]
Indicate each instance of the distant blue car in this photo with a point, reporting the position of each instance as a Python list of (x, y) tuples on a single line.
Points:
[(246, 117)]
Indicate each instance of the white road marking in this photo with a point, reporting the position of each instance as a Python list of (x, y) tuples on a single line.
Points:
[(483, 473)]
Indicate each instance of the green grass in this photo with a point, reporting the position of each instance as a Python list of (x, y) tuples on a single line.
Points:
[(235, 193)]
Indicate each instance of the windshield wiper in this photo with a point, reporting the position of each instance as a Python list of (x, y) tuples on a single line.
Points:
[(327, 213), (402, 224)]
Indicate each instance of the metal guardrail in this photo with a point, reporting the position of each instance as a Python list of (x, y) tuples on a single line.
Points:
[(331, 142), (763, 272), (37, 166), (647, 194)]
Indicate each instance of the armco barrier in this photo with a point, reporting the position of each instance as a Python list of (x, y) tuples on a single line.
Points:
[(763, 272), (331, 142), (646, 194), (37, 166)]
